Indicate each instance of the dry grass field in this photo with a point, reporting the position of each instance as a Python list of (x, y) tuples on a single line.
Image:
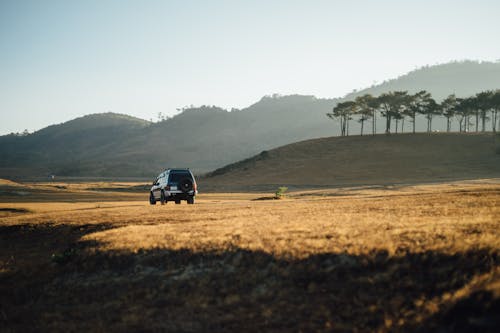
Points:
[(375, 258)]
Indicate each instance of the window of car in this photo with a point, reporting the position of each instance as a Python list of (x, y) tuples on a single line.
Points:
[(177, 176)]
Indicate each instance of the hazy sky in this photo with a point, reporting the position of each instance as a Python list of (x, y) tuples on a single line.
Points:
[(63, 59)]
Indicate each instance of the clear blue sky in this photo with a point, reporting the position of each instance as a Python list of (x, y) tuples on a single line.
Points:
[(63, 59)]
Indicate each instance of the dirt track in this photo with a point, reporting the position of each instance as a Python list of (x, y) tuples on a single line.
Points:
[(416, 258)]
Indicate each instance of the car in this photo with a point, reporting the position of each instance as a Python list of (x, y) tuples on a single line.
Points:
[(173, 185)]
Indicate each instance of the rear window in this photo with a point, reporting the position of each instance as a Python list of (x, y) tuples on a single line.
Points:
[(177, 176)]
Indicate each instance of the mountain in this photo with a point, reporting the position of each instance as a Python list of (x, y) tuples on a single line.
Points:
[(464, 78), (202, 138), (208, 137), (362, 160), (83, 146)]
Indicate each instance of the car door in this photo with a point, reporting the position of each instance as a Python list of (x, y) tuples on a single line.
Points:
[(157, 188)]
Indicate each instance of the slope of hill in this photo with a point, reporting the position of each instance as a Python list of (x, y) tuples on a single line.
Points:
[(464, 78), (77, 147), (203, 138), (363, 160), (207, 138)]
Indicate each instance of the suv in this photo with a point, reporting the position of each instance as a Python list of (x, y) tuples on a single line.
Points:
[(173, 185)]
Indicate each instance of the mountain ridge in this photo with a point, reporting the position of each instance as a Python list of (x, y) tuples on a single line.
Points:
[(203, 138)]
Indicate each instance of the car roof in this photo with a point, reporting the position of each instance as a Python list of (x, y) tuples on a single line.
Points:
[(178, 169)]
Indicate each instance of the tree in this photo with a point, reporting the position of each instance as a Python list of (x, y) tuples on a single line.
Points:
[(495, 109), (397, 105), (392, 105), (484, 103), (416, 104), (162, 117), (430, 109), (464, 111), (449, 108), (366, 108), (343, 111), (399, 116)]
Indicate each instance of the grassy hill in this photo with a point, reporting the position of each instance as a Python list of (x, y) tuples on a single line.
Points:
[(208, 137), (379, 159)]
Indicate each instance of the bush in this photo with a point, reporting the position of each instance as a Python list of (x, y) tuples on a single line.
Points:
[(280, 193)]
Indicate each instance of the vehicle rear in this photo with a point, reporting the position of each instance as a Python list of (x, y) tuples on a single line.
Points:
[(181, 185), (174, 185)]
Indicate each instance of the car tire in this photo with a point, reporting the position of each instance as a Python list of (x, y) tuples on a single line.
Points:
[(152, 199), (162, 198), (190, 200), (186, 185)]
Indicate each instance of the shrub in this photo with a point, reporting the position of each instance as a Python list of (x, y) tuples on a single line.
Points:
[(280, 192)]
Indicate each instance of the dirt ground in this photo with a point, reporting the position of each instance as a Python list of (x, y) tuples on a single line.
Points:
[(378, 258)]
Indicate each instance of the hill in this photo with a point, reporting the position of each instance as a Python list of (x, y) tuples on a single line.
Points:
[(377, 160), (201, 138), (208, 137), (462, 78), (81, 146)]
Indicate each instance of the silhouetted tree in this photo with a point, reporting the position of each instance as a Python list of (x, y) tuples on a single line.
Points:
[(430, 109), (391, 106), (416, 104), (366, 108), (397, 105), (484, 103), (343, 111), (464, 111), (495, 109), (449, 108), (474, 103)]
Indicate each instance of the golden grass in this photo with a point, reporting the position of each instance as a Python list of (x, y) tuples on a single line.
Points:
[(299, 227), (415, 218), (435, 230)]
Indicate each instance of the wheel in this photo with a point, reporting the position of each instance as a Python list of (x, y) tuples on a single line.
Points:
[(162, 198), (152, 199), (177, 202), (190, 200), (186, 185)]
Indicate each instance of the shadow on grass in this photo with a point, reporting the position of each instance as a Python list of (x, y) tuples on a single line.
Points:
[(234, 290), (15, 210)]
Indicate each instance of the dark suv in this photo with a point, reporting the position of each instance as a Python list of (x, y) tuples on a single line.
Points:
[(173, 185)]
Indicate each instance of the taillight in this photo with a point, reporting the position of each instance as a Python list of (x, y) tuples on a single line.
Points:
[(194, 186)]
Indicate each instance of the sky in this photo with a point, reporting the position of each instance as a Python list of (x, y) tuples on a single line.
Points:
[(63, 59)]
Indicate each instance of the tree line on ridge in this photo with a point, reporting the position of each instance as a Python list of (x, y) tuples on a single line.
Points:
[(398, 106)]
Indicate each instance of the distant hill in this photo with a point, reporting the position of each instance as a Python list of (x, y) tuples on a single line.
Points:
[(362, 160), (462, 78), (83, 146), (201, 138), (208, 137)]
